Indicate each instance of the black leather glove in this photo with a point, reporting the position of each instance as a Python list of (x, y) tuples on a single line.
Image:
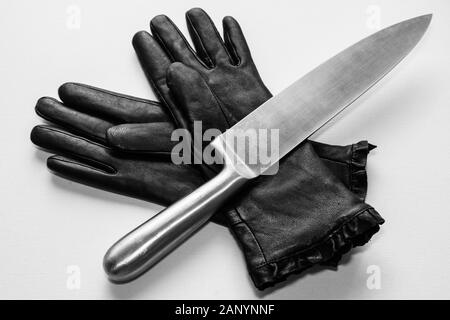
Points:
[(79, 139)]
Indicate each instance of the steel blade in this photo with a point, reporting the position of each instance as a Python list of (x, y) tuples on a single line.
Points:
[(310, 102)]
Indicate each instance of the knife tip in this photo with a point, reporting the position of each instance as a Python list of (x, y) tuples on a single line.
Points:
[(428, 16), (425, 19)]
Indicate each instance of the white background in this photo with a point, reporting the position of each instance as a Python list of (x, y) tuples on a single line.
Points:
[(48, 224)]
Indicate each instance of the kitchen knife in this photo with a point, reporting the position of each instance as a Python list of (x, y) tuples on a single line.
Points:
[(295, 113)]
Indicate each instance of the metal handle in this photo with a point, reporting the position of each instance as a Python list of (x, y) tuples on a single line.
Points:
[(143, 247)]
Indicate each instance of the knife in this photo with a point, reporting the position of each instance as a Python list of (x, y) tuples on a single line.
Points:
[(296, 113)]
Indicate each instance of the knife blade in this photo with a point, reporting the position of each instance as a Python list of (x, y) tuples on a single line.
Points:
[(296, 113)]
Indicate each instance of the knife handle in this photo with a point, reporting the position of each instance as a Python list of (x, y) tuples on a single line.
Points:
[(143, 247)]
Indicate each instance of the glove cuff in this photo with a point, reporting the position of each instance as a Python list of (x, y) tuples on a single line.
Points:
[(357, 168), (347, 163), (355, 232)]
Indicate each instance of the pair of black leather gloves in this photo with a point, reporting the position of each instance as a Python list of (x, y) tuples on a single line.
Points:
[(311, 212)]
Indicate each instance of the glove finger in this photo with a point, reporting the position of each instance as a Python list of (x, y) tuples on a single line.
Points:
[(194, 97), (111, 105), (152, 57), (78, 171), (65, 143), (88, 126), (154, 62), (142, 137), (235, 41), (173, 41), (207, 41)]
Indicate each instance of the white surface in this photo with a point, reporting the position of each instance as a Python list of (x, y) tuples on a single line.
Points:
[(48, 224)]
